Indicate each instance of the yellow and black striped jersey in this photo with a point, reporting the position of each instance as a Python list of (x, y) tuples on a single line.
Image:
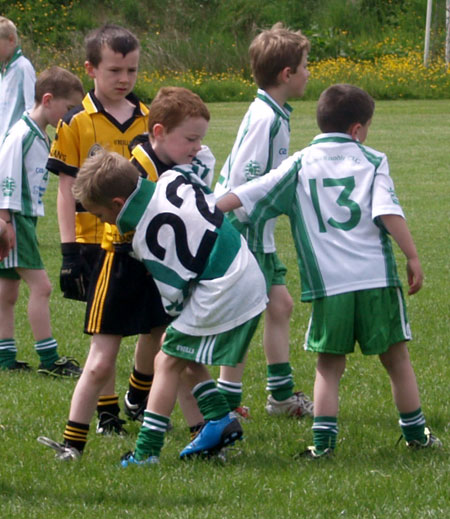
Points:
[(83, 130)]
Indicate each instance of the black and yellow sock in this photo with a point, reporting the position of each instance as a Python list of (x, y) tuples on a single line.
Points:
[(75, 435), (108, 404), (138, 386)]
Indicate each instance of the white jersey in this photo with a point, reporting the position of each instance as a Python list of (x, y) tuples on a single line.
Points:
[(262, 143), (23, 175), (333, 191), (17, 80), (202, 266)]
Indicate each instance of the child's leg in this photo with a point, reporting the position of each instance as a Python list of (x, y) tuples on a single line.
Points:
[(405, 391), (39, 315), (9, 292), (188, 405), (329, 371), (280, 383), (230, 383), (99, 367)]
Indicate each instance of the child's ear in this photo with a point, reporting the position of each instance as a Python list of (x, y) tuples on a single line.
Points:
[(46, 99), (118, 202), (284, 75), (89, 68), (158, 130), (353, 131)]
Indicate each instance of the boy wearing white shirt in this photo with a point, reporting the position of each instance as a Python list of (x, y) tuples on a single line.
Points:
[(342, 206)]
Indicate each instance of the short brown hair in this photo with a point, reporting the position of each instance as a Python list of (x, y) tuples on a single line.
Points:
[(56, 81), (7, 29), (172, 105), (104, 176), (275, 49), (342, 105), (117, 38)]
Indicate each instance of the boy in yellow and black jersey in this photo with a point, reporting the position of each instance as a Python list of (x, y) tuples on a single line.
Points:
[(123, 298), (110, 116)]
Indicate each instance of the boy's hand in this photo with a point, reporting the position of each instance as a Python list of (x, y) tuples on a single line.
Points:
[(415, 275), (74, 274)]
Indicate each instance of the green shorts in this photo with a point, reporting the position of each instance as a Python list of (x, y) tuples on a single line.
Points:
[(224, 349), (25, 254), (375, 318), (272, 267)]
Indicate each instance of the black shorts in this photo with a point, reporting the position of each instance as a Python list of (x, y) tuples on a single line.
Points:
[(123, 298)]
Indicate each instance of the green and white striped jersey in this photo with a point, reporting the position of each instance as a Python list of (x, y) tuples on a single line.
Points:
[(262, 143), (333, 192), (17, 80), (204, 271), (23, 175)]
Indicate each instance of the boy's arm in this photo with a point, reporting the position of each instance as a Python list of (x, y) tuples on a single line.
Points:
[(228, 202), (398, 229), (73, 269), (28, 86)]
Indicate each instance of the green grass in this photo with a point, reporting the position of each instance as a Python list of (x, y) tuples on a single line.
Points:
[(369, 477)]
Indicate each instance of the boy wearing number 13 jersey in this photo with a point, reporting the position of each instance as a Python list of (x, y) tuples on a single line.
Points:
[(342, 207)]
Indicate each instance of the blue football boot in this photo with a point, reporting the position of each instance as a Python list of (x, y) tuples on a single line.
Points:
[(213, 436), (129, 459)]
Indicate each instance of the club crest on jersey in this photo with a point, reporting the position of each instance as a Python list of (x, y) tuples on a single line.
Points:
[(252, 170), (94, 149), (8, 186), (282, 151)]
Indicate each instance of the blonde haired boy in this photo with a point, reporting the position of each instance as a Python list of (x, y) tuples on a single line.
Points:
[(278, 59), (17, 78)]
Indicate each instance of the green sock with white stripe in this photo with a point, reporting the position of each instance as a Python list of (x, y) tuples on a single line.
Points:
[(151, 436), (8, 352), (280, 381), (212, 404), (413, 426), (47, 351), (325, 430), (232, 391)]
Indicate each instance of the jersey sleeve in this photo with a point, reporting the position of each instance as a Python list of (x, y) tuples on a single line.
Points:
[(205, 158), (11, 173), (273, 194), (65, 151), (384, 199), (29, 80)]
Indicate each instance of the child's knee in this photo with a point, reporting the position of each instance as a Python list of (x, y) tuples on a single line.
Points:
[(280, 304)]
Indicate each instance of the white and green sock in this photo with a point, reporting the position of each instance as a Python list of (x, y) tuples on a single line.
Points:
[(8, 352), (47, 351), (232, 391), (280, 381)]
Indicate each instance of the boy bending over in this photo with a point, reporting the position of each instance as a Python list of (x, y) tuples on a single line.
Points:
[(201, 266), (342, 206)]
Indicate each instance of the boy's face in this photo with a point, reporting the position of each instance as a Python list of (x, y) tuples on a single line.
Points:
[(58, 107), (298, 79), (106, 214), (115, 75), (180, 145), (7, 46)]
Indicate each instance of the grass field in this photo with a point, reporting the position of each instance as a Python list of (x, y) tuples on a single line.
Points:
[(369, 477)]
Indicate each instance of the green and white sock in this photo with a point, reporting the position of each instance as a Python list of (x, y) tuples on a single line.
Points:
[(151, 436), (47, 351), (8, 352), (280, 381), (211, 403), (413, 426), (325, 430), (232, 391)]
